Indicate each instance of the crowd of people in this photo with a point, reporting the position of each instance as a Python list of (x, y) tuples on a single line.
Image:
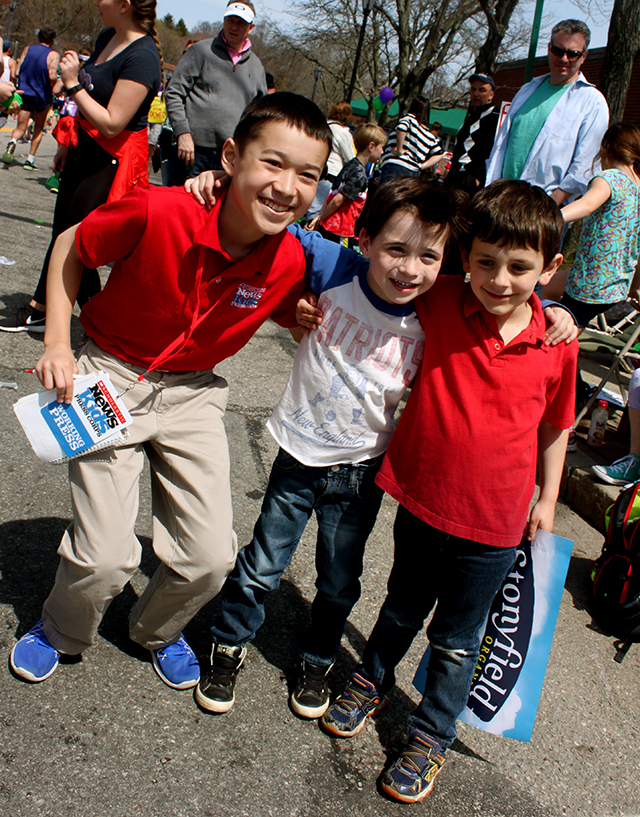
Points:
[(370, 325)]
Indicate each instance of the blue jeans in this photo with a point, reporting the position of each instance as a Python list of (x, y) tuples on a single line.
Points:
[(463, 577), (204, 159), (391, 170), (345, 499)]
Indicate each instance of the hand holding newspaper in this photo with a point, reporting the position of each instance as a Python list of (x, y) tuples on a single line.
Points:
[(93, 420)]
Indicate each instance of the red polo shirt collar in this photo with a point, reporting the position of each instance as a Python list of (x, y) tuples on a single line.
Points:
[(533, 334)]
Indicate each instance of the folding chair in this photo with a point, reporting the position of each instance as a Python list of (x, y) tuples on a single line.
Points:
[(618, 341)]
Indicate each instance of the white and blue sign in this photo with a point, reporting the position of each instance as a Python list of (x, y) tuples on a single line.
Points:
[(516, 644)]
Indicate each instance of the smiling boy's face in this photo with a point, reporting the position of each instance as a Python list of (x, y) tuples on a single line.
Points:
[(274, 179), (503, 278), (404, 258)]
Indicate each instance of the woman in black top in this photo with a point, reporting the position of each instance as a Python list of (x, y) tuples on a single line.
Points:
[(106, 155)]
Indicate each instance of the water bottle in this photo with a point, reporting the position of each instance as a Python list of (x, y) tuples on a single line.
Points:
[(598, 425)]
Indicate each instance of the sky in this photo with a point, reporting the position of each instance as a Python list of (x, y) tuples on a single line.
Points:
[(597, 18)]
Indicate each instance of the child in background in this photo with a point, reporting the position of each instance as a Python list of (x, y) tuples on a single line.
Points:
[(348, 194), (489, 397), (412, 148), (177, 302), (607, 252)]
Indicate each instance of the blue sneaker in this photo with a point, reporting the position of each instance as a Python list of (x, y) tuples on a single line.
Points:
[(177, 664), (348, 714), (33, 658), (621, 472), (411, 777)]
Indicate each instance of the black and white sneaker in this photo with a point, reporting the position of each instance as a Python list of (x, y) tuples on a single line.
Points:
[(310, 698), (215, 689), (26, 319)]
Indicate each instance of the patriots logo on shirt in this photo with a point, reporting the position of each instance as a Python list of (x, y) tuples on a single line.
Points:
[(247, 297)]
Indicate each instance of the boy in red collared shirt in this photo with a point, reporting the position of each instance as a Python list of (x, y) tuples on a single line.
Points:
[(188, 289), (462, 462)]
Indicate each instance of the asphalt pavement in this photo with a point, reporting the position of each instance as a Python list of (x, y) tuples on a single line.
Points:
[(103, 736)]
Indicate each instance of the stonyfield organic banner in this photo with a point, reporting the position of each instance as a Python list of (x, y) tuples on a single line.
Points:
[(515, 648)]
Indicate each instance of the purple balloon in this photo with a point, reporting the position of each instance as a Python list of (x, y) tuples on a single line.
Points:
[(386, 94)]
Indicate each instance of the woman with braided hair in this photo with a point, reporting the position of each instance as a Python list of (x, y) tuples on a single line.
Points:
[(104, 155)]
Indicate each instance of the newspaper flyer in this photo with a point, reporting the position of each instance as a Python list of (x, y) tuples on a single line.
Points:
[(93, 420)]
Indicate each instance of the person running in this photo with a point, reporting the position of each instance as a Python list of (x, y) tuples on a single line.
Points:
[(38, 81)]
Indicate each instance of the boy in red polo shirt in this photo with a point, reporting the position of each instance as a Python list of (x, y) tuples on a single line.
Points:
[(490, 396), (188, 288)]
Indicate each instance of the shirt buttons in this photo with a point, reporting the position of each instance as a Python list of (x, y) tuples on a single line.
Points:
[(496, 346), (335, 468), (218, 280)]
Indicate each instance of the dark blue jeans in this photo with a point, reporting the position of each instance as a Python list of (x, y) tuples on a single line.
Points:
[(205, 159), (390, 170), (345, 499), (463, 577)]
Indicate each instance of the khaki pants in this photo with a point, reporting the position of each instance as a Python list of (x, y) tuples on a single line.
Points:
[(178, 423)]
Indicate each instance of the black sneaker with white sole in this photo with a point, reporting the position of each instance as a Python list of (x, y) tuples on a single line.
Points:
[(215, 689), (26, 319), (310, 697)]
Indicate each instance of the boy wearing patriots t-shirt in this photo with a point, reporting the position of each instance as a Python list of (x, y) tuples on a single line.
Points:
[(333, 424)]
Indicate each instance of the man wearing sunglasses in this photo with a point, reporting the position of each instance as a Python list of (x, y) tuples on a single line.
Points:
[(555, 123)]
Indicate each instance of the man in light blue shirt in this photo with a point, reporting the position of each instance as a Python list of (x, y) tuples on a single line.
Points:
[(556, 122)]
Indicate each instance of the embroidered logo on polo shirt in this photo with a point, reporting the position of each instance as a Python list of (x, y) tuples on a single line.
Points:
[(247, 297)]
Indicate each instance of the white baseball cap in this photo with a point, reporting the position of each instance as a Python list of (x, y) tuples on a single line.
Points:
[(241, 11)]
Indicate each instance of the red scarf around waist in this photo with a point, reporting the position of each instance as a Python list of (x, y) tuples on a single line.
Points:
[(130, 148)]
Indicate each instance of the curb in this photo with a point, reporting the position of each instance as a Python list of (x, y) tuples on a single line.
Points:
[(582, 493)]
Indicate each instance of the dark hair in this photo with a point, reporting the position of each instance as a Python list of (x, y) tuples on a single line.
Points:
[(283, 106), (572, 27), (47, 36), (341, 112), (516, 214), (433, 203), (421, 109), (271, 82), (364, 134), (621, 143), (143, 12)]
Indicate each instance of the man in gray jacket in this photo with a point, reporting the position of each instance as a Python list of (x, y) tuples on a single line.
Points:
[(213, 83)]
